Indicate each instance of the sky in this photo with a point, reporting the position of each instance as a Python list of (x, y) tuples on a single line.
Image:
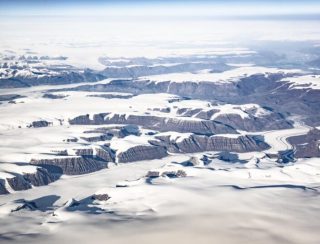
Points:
[(176, 8), (84, 30)]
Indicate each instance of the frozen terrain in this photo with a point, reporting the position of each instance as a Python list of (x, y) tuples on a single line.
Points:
[(114, 131)]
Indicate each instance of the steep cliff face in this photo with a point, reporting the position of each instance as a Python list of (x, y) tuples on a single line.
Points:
[(19, 183), (119, 131), (3, 189), (49, 170), (106, 154), (25, 181), (84, 152), (97, 138), (143, 70), (306, 146), (40, 123), (271, 122), (203, 127), (70, 165), (49, 78), (266, 90), (247, 117), (40, 178), (142, 152), (206, 115), (103, 153), (198, 143)]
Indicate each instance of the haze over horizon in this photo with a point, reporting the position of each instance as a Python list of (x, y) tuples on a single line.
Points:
[(176, 8)]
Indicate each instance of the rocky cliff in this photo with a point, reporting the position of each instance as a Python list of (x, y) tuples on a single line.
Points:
[(70, 165), (199, 143), (306, 146), (142, 152), (203, 127), (26, 181)]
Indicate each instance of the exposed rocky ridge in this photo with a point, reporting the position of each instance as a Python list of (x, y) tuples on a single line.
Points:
[(265, 90), (26, 181), (143, 70), (3, 189), (101, 197), (197, 112), (40, 123), (110, 96), (33, 72), (56, 77), (53, 96), (106, 154), (84, 151), (268, 121), (196, 90), (117, 131), (203, 127), (304, 102), (306, 146), (171, 174), (103, 137), (70, 165), (87, 160), (142, 152), (40, 178), (274, 121), (198, 143)]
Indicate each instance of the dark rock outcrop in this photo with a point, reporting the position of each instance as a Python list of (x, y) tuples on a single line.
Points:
[(19, 183), (306, 146), (273, 121), (142, 152), (53, 96), (70, 165), (67, 76), (171, 174), (115, 131), (193, 161), (106, 154), (264, 89), (111, 96), (25, 181), (252, 122), (143, 70), (84, 152), (40, 123), (203, 127), (198, 143), (101, 197), (153, 174), (174, 174), (3, 189), (40, 178), (104, 137)]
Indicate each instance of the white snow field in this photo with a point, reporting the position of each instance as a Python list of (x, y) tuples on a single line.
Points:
[(221, 77), (116, 128), (304, 82), (219, 201)]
